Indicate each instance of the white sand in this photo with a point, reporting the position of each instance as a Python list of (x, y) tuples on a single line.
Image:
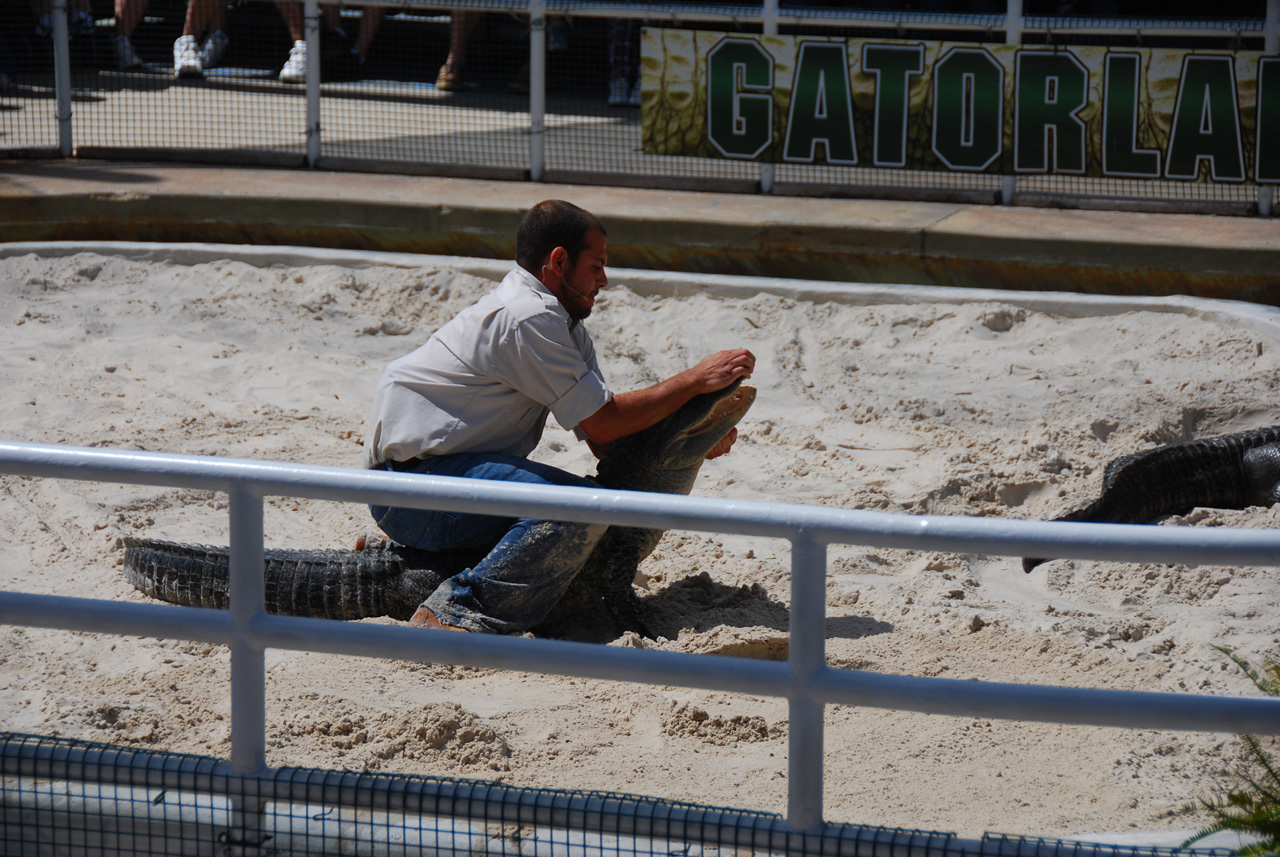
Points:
[(953, 408)]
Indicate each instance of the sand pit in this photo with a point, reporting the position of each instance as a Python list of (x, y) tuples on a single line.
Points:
[(958, 408)]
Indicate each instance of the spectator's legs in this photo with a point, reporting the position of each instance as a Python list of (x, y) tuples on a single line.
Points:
[(461, 24), (370, 20), (624, 62), (208, 18), (128, 14), (295, 68), (80, 21), (190, 57)]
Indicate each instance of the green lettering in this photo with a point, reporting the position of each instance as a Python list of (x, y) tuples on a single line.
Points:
[(968, 109), (893, 66), (821, 106), (1267, 144), (1206, 122), (1120, 153), (1052, 88), (739, 98)]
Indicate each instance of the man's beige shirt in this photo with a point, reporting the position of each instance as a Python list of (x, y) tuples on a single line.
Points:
[(485, 381)]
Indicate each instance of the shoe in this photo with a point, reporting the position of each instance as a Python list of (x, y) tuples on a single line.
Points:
[(78, 24), (449, 80), (618, 92), (214, 48), (81, 24), (374, 542), (295, 68), (125, 55), (636, 96), (186, 58), (424, 618)]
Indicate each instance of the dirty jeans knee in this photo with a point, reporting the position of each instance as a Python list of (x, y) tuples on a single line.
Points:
[(531, 562), (522, 578)]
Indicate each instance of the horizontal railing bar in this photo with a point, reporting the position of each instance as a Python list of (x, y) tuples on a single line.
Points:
[(851, 18), (1077, 706), (951, 697), (987, 536), (95, 616)]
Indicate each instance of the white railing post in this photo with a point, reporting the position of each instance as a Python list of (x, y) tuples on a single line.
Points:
[(537, 89), (248, 664), (311, 15), (769, 25), (806, 658), (62, 75), (248, 672)]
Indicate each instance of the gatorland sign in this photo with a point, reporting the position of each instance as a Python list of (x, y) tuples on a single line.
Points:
[(1141, 113)]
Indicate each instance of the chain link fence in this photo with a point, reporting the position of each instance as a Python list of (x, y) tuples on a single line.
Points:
[(514, 89)]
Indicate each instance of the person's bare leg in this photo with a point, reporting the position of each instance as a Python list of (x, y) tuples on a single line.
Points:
[(461, 25), (370, 20), (293, 19), (200, 14), (128, 14)]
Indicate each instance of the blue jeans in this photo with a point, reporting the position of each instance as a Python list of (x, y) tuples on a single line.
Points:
[(530, 564)]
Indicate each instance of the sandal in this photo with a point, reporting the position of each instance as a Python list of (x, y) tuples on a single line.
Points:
[(449, 80)]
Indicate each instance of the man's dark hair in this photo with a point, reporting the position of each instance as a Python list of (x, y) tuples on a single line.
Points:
[(551, 224)]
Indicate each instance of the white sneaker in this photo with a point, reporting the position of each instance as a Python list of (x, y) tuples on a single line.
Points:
[(125, 55), (295, 68), (215, 45), (618, 92), (186, 58), (636, 96)]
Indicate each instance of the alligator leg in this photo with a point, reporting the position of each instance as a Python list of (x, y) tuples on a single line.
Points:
[(1262, 468)]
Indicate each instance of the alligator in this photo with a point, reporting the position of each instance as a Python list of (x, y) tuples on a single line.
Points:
[(390, 579), (1226, 472), (663, 458)]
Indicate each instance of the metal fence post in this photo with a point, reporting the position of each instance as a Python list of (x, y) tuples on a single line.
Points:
[(62, 75), (537, 89), (806, 658), (1012, 36), (248, 665), (312, 16), (248, 671), (1270, 45), (769, 26)]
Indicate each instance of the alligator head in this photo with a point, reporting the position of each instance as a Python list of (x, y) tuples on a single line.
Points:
[(665, 457)]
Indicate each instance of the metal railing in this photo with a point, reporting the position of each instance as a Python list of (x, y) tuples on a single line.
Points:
[(804, 680), (624, 165)]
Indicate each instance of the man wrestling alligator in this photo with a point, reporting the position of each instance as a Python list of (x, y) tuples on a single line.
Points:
[(473, 401)]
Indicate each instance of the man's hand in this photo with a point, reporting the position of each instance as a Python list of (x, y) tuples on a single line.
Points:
[(627, 413), (721, 369), (725, 444)]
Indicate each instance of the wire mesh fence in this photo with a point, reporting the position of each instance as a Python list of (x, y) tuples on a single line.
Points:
[(65, 796), (548, 90)]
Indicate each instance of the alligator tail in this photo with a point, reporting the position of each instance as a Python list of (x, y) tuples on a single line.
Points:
[(1229, 471), (322, 584)]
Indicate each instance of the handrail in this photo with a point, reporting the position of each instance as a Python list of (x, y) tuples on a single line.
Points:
[(805, 680)]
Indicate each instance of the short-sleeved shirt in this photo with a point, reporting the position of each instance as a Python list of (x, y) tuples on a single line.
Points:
[(486, 380)]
